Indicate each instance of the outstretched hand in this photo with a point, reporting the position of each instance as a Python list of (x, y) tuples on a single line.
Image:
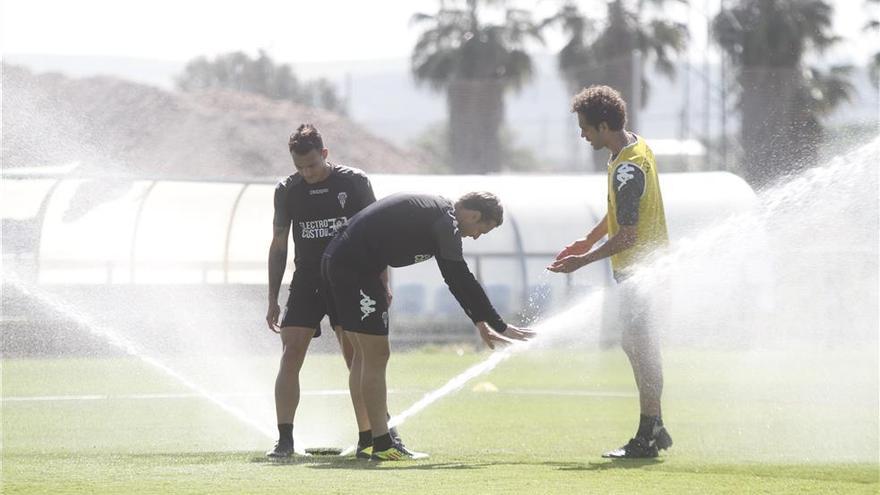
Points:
[(516, 333), (510, 335), (490, 336), (568, 264), (580, 246)]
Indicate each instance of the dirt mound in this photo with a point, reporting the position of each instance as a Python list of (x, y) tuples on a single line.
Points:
[(114, 127)]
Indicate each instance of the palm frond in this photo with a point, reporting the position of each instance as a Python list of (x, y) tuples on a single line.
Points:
[(823, 91), (454, 45)]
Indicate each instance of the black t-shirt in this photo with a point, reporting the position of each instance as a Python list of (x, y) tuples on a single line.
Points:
[(404, 229), (318, 211)]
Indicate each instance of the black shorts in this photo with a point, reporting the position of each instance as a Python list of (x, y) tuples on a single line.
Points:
[(306, 304), (356, 299)]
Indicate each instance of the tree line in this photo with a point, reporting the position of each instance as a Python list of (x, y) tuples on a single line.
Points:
[(260, 75), (780, 99)]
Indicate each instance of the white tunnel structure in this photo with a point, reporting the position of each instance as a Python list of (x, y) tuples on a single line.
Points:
[(77, 230)]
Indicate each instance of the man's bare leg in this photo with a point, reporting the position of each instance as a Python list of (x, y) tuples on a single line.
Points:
[(354, 361), (295, 342), (643, 352), (375, 351)]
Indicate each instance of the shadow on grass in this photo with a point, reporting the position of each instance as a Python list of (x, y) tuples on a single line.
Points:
[(402, 465), (605, 465), (422, 465), (861, 474), (300, 460), (336, 462)]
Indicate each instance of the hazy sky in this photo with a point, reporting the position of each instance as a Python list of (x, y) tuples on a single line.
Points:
[(291, 31)]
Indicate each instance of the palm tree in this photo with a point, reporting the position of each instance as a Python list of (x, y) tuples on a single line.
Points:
[(781, 101), (614, 51), (475, 63), (819, 93)]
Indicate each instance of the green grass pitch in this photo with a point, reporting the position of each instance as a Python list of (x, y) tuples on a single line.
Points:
[(118, 426)]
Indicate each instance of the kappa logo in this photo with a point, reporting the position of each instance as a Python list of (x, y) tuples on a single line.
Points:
[(342, 197), (624, 174), (368, 306), (451, 214), (422, 257)]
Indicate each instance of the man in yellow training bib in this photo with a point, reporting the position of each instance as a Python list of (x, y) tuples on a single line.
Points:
[(636, 226)]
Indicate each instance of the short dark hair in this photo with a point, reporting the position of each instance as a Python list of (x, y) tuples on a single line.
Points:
[(486, 203), (305, 139), (601, 104)]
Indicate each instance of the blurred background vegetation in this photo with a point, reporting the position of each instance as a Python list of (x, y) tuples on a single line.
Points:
[(764, 101)]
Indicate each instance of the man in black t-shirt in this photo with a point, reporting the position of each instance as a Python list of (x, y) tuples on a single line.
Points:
[(318, 200), (401, 230)]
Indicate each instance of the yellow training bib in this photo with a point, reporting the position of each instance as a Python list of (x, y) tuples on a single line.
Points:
[(651, 225)]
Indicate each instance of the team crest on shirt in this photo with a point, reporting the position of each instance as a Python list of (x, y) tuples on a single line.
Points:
[(368, 306), (624, 174), (342, 197)]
